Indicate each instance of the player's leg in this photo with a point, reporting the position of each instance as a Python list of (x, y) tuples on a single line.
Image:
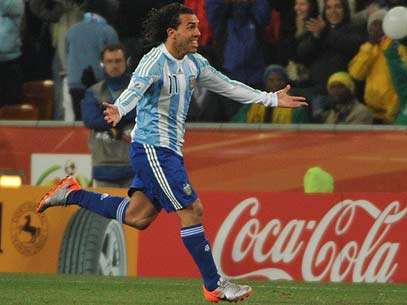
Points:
[(167, 180), (193, 235), (136, 211)]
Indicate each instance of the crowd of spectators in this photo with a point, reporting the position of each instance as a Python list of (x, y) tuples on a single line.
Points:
[(334, 52)]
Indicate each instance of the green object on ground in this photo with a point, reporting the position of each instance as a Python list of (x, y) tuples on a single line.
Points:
[(317, 180)]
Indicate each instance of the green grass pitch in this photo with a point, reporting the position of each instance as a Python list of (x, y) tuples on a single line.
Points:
[(36, 289)]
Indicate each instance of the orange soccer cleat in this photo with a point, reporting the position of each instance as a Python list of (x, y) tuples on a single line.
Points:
[(58, 194)]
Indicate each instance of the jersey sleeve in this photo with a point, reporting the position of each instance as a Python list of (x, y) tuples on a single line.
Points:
[(143, 77), (217, 82)]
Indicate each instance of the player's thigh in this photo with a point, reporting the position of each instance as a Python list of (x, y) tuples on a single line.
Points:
[(162, 175)]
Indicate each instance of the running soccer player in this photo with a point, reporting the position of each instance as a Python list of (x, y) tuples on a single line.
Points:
[(161, 88)]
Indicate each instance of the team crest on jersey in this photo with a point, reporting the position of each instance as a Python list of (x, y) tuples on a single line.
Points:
[(187, 189), (192, 82)]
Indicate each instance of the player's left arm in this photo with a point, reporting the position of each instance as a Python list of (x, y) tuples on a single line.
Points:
[(219, 83)]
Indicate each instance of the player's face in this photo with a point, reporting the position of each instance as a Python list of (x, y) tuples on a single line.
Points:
[(114, 63), (187, 34), (334, 11)]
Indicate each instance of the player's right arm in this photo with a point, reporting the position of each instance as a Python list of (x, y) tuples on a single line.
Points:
[(143, 77), (128, 100)]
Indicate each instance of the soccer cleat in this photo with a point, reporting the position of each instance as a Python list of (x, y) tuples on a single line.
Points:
[(228, 291), (58, 194)]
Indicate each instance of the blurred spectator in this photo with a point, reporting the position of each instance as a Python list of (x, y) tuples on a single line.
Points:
[(396, 56), (364, 9), (84, 42), (279, 28), (341, 105), (11, 12), (198, 6), (352, 5), (129, 26), (109, 146), (238, 27), (37, 46), (275, 78), (62, 14), (370, 65), (393, 3), (304, 11), (132, 14), (208, 106), (329, 44)]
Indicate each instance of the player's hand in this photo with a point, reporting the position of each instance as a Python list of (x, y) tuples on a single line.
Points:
[(288, 101), (112, 114)]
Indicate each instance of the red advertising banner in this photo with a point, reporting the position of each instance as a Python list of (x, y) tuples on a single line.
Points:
[(274, 160), (290, 236)]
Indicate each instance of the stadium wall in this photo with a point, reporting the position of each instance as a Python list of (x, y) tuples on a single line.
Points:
[(257, 218)]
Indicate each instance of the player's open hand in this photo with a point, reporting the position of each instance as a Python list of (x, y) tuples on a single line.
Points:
[(288, 101), (112, 114)]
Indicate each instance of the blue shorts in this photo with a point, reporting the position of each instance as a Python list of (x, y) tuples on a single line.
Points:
[(161, 175)]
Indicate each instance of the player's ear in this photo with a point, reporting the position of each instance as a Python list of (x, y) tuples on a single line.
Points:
[(170, 32)]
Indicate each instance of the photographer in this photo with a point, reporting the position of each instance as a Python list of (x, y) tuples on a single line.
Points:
[(109, 146)]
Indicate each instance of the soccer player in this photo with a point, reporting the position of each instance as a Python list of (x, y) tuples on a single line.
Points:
[(161, 88)]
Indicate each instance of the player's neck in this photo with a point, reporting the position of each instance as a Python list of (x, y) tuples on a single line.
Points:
[(174, 51)]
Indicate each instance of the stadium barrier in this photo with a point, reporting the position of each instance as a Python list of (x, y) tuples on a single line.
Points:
[(242, 157), (250, 180)]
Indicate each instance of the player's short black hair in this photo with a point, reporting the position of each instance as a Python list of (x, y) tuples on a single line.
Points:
[(112, 47), (159, 20)]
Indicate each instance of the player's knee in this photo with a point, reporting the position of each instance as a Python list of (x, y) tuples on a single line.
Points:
[(140, 224), (198, 210)]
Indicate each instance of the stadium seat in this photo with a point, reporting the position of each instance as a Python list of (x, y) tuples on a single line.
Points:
[(19, 112), (40, 94)]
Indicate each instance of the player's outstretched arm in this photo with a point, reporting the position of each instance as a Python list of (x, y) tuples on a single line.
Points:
[(112, 114), (288, 101)]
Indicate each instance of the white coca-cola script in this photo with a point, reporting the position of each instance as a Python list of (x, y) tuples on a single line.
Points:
[(368, 260)]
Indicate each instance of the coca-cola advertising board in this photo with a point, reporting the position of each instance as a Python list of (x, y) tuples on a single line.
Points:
[(289, 236)]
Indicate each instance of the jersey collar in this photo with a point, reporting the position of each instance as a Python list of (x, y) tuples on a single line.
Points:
[(168, 54)]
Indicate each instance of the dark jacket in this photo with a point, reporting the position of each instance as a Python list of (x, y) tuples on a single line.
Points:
[(240, 27), (332, 51)]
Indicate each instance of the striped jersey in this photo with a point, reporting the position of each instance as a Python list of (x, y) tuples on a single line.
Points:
[(161, 88)]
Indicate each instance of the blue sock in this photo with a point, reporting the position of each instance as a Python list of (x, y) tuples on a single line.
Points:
[(197, 245), (102, 204)]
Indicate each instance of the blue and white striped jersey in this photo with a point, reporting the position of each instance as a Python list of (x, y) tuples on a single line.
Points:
[(161, 88)]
